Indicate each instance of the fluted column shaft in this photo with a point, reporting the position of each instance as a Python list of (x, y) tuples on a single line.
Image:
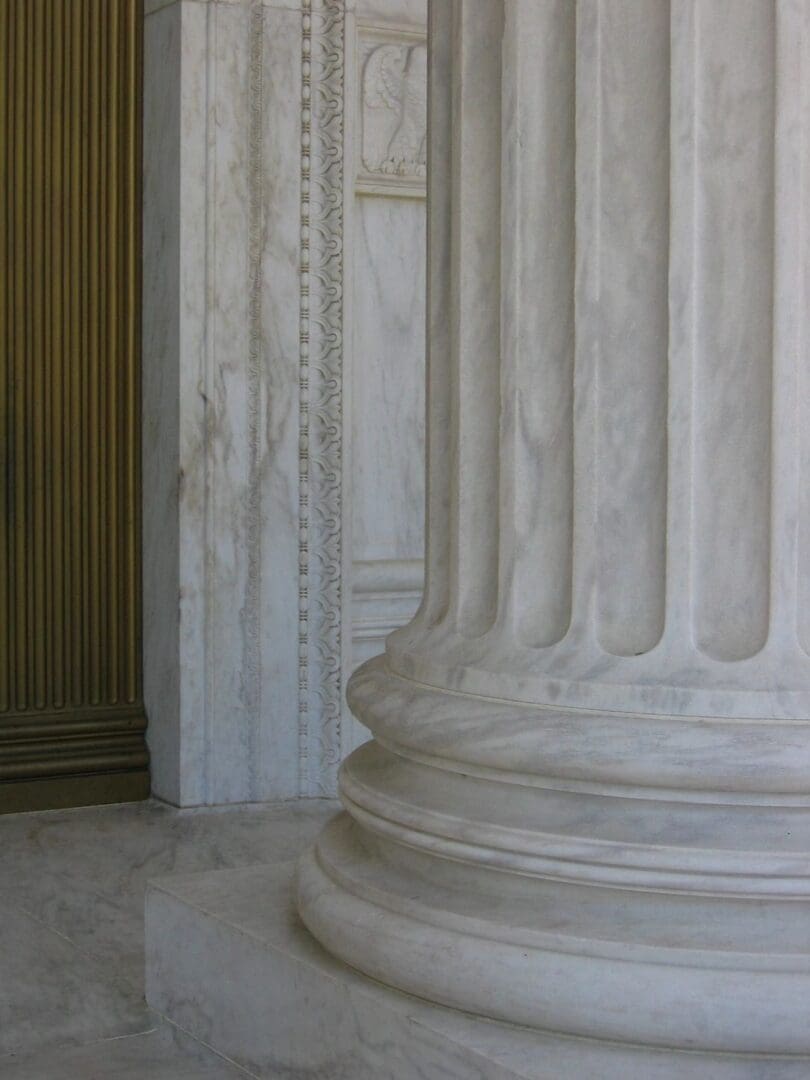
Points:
[(618, 415), (592, 744)]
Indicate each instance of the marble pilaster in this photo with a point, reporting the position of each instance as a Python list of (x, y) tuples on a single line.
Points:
[(282, 301), (221, 374)]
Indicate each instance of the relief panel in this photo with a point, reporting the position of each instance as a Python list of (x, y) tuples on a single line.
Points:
[(391, 146)]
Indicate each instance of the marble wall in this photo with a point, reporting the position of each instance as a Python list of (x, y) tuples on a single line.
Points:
[(385, 366), (283, 372)]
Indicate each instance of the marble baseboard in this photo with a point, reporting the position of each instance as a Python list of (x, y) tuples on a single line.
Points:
[(229, 962)]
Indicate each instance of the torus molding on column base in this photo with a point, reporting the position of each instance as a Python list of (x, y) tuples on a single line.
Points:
[(228, 961), (548, 886)]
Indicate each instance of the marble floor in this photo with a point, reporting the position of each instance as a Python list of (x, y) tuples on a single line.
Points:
[(71, 931)]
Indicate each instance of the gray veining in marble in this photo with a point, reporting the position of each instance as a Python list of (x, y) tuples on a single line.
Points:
[(608, 683), (387, 372), (283, 1007), (223, 249), (222, 173), (71, 927), (647, 317), (53, 993), (163, 1053)]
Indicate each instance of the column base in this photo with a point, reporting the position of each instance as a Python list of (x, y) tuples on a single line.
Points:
[(229, 962), (672, 917)]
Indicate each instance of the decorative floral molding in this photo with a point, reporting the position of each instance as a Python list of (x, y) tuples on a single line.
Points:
[(321, 394), (251, 612)]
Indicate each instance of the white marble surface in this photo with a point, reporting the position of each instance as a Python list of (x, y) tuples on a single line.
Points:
[(385, 367), (398, 13), (280, 1006), (227, 534), (72, 889), (159, 1054), (221, 454), (679, 925), (387, 373), (82, 873), (391, 140), (621, 436), (586, 809), (54, 994), (385, 594)]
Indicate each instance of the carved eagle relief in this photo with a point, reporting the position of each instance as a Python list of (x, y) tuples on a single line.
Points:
[(395, 80)]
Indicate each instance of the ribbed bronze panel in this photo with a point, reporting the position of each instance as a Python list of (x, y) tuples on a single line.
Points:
[(70, 102)]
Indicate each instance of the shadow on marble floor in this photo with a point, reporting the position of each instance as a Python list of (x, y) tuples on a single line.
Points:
[(71, 930)]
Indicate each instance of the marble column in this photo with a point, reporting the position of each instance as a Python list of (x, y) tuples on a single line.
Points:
[(586, 807)]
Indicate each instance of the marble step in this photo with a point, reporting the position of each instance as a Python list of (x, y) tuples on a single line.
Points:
[(160, 1054), (229, 962)]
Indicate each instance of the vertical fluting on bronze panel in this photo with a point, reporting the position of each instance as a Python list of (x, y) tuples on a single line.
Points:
[(71, 715)]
